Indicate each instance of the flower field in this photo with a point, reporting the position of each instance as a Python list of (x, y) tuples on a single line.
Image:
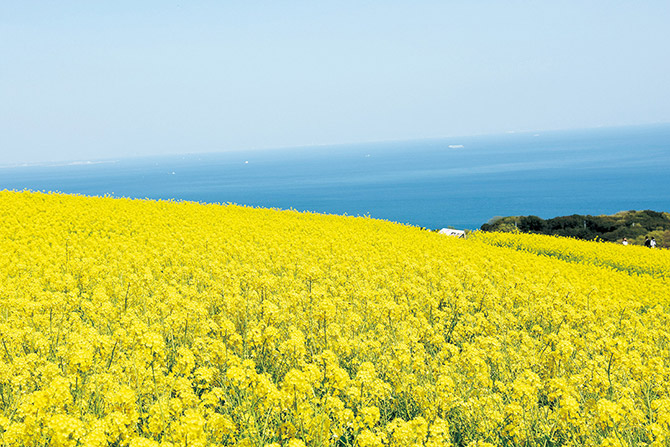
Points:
[(141, 323), (633, 259)]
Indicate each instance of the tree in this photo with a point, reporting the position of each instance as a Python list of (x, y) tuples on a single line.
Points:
[(531, 224)]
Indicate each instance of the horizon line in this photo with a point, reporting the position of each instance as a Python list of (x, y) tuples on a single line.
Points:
[(91, 161)]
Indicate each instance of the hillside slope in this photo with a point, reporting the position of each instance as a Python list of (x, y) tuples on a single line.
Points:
[(635, 226), (141, 323)]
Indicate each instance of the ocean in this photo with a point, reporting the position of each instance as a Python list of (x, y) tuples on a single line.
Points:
[(460, 182)]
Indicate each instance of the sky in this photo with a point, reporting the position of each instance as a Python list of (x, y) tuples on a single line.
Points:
[(83, 80)]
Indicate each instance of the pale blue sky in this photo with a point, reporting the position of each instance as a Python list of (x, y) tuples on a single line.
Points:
[(87, 79)]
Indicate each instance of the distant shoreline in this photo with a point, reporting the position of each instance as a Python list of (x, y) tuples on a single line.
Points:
[(633, 225)]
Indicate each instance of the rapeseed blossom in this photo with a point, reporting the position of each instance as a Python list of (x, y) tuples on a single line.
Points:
[(143, 324)]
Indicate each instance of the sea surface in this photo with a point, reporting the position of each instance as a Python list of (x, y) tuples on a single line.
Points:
[(460, 182)]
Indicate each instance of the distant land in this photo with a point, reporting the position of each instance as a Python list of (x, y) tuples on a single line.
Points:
[(632, 225)]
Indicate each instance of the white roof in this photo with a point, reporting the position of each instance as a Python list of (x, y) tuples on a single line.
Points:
[(450, 232)]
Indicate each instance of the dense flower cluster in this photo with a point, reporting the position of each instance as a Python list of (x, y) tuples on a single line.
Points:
[(632, 259), (144, 324)]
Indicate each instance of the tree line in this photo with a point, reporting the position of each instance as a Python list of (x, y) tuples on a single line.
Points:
[(632, 225)]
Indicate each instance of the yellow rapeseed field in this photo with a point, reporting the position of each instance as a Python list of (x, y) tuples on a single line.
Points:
[(142, 323)]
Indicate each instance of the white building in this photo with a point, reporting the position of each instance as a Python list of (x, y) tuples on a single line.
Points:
[(450, 232)]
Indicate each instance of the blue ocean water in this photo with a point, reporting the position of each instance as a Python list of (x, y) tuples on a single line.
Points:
[(461, 182)]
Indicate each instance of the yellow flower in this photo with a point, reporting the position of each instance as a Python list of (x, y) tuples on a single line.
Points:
[(366, 438), (64, 430), (143, 442), (370, 416), (136, 322)]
